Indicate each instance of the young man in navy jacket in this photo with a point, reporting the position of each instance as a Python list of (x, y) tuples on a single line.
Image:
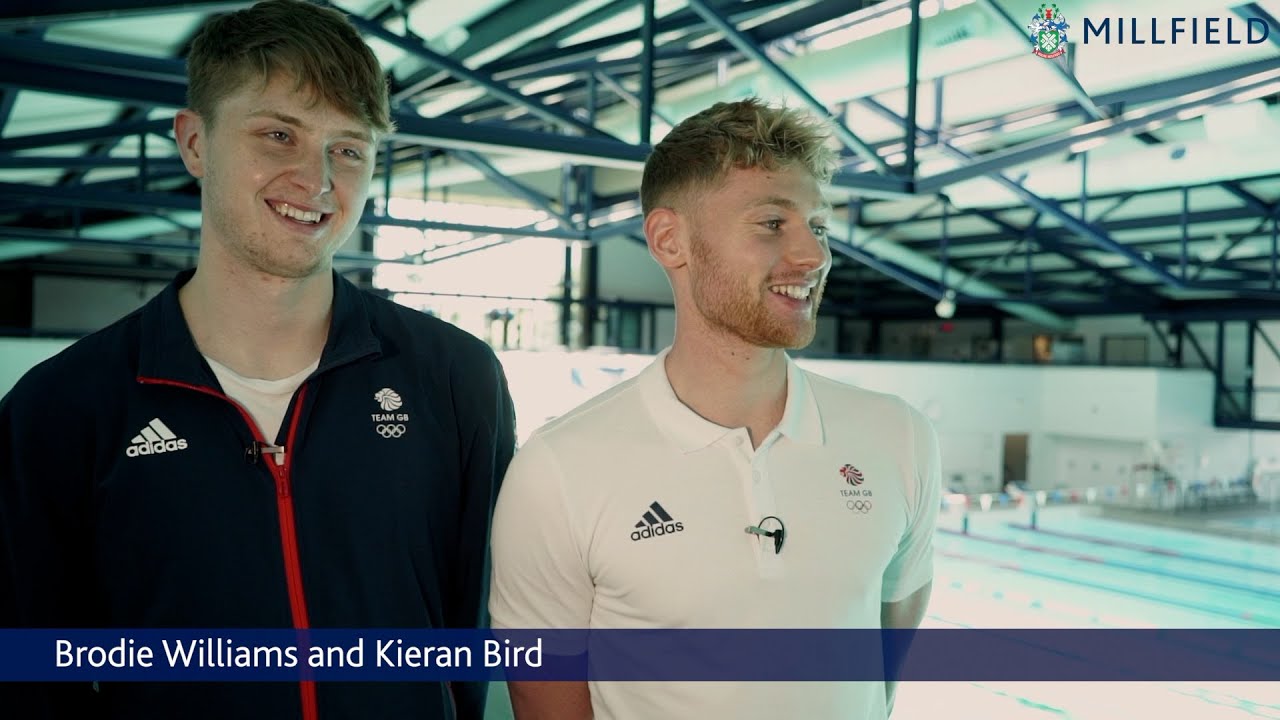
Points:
[(263, 444)]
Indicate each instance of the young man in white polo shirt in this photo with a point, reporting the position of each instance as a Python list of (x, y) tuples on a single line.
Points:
[(629, 512)]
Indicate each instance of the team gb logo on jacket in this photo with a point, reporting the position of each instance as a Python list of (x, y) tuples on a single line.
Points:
[(389, 424)]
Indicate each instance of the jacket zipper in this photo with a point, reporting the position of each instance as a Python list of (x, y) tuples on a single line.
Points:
[(284, 510)]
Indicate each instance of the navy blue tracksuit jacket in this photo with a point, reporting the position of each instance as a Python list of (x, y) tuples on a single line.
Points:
[(127, 499)]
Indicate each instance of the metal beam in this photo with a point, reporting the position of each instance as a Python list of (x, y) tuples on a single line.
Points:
[(913, 86), (1140, 95), (747, 47), (1266, 339), (1126, 195), (106, 199), (1133, 122), (1059, 249), (1247, 281), (102, 84), (868, 184), (12, 234), (1172, 220), (33, 162), (591, 20), (1254, 10), (56, 54), (1251, 201), (1200, 269), (571, 94), (1169, 352), (39, 13), (683, 19), (1232, 187), (513, 186), (646, 71), (902, 275), (7, 100), (458, 135), (79, 197), (86, 135), (1054, 210), (1214, 310), (568, 64), (417, 48), (629, 97), (1077, 90)]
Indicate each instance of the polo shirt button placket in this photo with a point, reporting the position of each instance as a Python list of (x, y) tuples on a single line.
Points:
[(770, 563)]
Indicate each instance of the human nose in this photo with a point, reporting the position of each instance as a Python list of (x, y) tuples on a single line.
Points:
[(313, 173), (807, 250)]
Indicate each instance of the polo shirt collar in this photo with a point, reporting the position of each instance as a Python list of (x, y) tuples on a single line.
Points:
[(801, 421)]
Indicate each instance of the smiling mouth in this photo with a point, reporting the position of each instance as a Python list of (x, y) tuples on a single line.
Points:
[(795, 292), (306, 217)]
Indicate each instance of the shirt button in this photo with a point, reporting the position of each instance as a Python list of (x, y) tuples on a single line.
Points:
[(757, 476)]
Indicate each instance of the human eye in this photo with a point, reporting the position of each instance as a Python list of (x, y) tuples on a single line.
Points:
[(773, 224), (279, 136), (820, 231)]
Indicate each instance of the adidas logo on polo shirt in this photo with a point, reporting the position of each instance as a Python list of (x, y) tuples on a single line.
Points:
[(656, 523), (155, 438)]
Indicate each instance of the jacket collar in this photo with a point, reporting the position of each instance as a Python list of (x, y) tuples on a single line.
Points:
[(169, 352)]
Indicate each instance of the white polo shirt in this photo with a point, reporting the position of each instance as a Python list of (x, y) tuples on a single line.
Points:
[(629, 512)]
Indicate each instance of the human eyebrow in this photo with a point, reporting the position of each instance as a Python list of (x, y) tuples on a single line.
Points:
[(359, 135), (789, 204), (778, 200), (282, 117)]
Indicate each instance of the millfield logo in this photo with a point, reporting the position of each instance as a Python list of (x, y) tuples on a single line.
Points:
[(1048, 32), (1172, 30)]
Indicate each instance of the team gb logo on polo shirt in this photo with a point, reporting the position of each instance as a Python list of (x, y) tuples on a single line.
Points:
[(851, 474), (856, 499)]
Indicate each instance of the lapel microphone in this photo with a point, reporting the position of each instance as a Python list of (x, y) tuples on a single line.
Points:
[(778, 535)]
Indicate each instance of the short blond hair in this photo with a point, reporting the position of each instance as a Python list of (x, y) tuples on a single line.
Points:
[(318, 46), (699, 152)]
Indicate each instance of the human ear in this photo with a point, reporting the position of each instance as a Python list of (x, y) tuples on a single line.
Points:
[(189, 130), (665, 233)]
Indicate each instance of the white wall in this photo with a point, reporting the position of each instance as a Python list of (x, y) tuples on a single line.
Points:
[(972, 407), (1112, 403), (1083, 462)]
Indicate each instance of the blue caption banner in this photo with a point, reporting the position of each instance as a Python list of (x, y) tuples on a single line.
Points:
[(639, 655)]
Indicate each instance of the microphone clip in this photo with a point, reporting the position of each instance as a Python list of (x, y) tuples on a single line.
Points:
[(255, 451), (779, 535)]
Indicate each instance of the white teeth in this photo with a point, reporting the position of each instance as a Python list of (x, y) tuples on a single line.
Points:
[(306, 216), (795, 292)]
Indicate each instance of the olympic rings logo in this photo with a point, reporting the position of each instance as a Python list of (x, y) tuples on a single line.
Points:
[(391, 431), (861, 506)]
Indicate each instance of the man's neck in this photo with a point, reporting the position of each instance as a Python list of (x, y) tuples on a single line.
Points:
[(258, 325), (729, 382)]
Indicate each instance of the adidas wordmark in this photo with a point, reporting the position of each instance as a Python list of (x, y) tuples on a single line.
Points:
[(155, 438), (656, 522)]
